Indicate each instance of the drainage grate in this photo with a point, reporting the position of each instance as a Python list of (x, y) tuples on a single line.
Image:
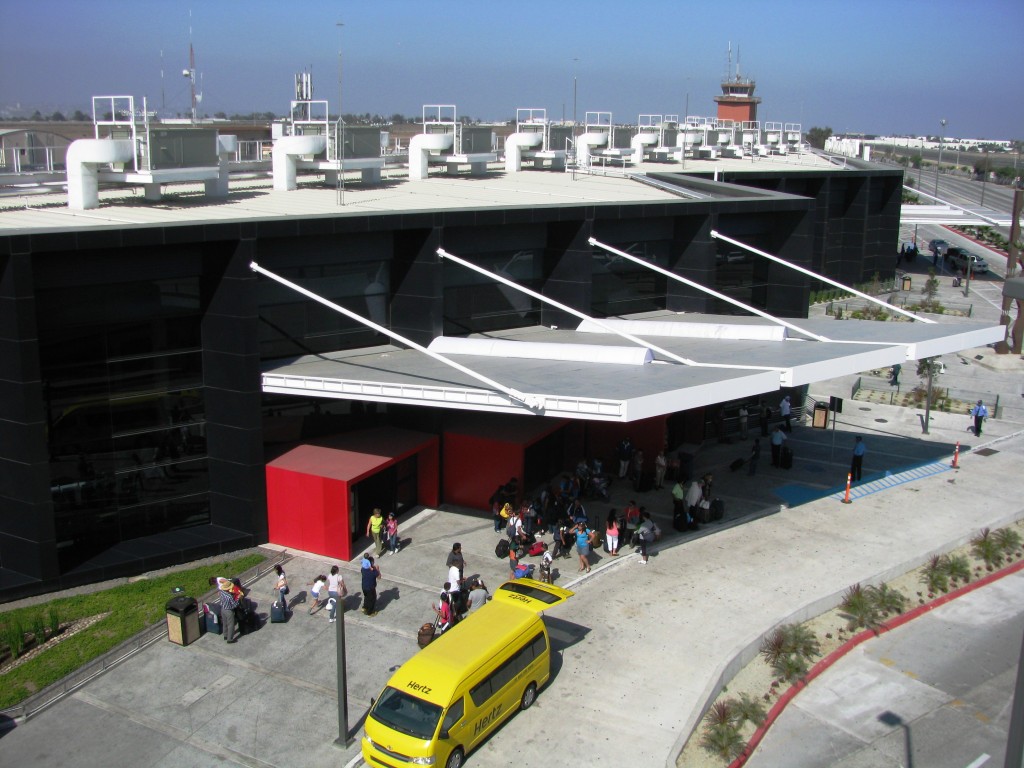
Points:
[(985, 452)]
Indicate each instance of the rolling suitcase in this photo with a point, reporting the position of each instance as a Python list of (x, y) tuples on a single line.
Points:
[(787, 457), (426, 634), (679, 520), (278, 614), (717, 509), (702, 514)]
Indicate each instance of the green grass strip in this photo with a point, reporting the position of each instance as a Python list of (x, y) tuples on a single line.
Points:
[(133, 607)]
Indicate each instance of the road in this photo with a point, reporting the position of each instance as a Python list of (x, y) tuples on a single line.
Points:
[(935, 693)]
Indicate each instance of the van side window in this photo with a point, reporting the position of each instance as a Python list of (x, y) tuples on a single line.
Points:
[(454, 714), (507, 672)]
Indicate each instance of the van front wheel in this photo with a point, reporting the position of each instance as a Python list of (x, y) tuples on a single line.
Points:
[(529, 696), (455, 758)]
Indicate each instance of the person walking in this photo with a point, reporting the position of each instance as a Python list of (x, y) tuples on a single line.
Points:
[(857, 464), (391, 533), (778, 438), (281, 587), (375, 528), (980, 413), (228, 604), (755, 454), (335, 592), (744, 416), (371, 575), (584, 538), (786, 410), (645, 535)]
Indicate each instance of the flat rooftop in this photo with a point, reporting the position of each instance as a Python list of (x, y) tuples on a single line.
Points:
[(40, 210)]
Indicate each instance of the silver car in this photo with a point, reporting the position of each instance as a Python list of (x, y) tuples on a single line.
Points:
[(958, 257)]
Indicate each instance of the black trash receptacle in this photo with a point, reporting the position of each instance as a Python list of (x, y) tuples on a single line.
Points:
[(820, 418), (182, 620), (907, 282)]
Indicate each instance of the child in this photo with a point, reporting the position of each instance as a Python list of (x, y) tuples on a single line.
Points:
[(391, 530), (318, 584)]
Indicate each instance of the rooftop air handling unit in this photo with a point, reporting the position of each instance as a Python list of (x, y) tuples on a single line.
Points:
[(313, 142), (774, 139), (536, 141), (129, 149), (446, 141), (656, 138)]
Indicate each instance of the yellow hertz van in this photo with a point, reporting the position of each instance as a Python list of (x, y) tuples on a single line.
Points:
[(447, 698)]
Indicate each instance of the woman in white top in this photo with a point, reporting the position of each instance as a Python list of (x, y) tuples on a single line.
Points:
[(335, 590), (318, 584)]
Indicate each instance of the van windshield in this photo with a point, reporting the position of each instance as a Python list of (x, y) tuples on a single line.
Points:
[(406, 713)]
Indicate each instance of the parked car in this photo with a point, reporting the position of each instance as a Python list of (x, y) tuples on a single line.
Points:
[(938, 246), (958, 259)]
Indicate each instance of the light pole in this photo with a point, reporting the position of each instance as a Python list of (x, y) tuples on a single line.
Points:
[(942, 123), (339, 130), (920, 163), (686, 114), (984, 175)]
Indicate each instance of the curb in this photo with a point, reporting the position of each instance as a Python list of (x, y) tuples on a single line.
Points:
[(852, 643)]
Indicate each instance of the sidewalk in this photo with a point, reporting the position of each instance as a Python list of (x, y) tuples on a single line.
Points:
[(640, 650)]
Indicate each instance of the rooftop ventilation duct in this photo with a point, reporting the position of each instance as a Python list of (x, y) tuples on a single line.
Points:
[(83, 160), (286, 151)]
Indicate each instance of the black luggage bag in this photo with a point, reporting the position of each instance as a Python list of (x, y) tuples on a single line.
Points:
[(501, 550), (787, 457), (717, 509), (679, 520), (278, 613)]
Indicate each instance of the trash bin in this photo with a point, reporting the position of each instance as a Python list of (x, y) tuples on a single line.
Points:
[(906, 282), (820, 418), (182, 620)]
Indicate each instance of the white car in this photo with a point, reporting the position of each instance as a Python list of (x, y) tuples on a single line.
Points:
[(958, 257)]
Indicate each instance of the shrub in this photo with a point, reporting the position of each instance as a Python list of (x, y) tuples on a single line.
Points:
[(1007, 539), (773, 646), (749, 710), (801, 641), (886, 599), (986, 548), (724, 741), (859, 609), (14, 637), (790, 667), (935, 575), (39, 628), (721, 713), (53, 619), (959, 568)]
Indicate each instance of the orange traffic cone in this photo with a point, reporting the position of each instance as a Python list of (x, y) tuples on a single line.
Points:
[(849, 478), (956, 456)]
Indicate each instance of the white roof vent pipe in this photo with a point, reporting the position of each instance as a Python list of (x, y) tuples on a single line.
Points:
[(536, 350), (439, 126), (514, 146), (597, 133), (286, 151), (83, 160)]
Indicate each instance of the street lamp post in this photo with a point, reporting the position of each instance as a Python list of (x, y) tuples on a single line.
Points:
[(984, 175), (339, 130), (942, 123)]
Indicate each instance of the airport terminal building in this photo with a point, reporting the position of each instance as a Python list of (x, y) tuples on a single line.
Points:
[(163, 401)]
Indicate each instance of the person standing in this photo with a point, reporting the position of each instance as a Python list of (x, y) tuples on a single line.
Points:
[(786, 410), (625, 453), (638, 468), (645, 535), (335, 592), (631, 519), (375, 528), (744, 416), (371, 575), (478, 595), (980, 413), (755, 454), (456, 559), (612, 533), (778, 438), (858, 459), (228, 604), (660, 465)]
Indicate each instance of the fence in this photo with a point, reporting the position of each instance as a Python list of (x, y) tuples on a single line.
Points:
[(37, 702)]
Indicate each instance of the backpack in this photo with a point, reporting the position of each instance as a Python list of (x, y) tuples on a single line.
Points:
[(510, 529), (501, 550)]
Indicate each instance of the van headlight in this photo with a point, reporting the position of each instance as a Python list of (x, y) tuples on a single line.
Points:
[(422, 760)]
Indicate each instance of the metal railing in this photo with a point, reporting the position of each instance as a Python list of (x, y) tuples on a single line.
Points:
[(53, 693)]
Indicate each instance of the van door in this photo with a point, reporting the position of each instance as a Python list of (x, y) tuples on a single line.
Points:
[(535, 595), (453, 730)]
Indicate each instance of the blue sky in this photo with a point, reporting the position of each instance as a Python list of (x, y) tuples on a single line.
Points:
[(865, 65)]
